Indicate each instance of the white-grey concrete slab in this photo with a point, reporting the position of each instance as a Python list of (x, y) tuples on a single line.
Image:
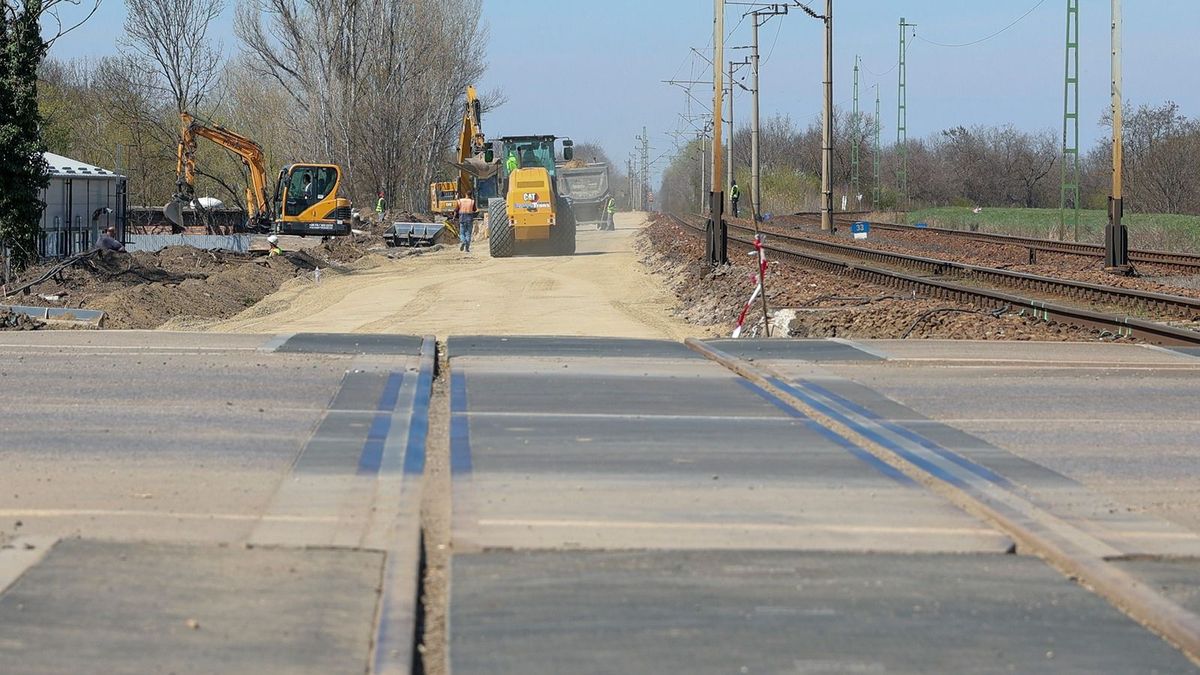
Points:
[(667, 453), (785, 612), (138, 608)]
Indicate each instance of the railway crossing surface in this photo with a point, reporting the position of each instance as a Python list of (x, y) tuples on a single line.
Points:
[(615, 505)]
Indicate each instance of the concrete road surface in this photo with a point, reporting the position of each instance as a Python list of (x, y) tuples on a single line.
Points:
[(201, 503)]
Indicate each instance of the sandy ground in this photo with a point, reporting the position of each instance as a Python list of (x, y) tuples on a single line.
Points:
[(601, 291)]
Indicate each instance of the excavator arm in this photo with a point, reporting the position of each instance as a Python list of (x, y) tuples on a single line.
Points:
[(258, 203)]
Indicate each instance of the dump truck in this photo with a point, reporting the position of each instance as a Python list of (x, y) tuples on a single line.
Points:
[(533, 215), (306, 199), (586, 186)]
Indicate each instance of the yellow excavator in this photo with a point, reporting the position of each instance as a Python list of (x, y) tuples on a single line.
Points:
[(305, 201), (475, 173)]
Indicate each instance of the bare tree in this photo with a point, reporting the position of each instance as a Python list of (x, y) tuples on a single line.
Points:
[(172, 35), (377, 85)]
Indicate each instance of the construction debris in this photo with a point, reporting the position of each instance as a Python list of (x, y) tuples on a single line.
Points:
[(10, 320), (178, 283)]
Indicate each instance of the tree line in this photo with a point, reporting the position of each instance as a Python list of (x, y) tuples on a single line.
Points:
[(375, 86), (998, 166)]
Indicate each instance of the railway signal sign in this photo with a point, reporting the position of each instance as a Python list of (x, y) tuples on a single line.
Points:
[(860, 229)]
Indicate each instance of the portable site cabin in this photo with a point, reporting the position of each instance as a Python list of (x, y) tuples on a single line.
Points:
[(81, 202)]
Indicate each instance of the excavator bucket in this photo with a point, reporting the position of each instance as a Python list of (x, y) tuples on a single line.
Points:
[(174, 212), (175, 208), (478, 167)]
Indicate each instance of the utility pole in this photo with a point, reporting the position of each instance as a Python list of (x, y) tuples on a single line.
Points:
[(1069, 195), (717, 230), (855, 140), (878, 124), (759, 18), (729, 157), (827, 118), (733, 66), (629, 175), (827, 134), (755, 186), (644, 171), (1116, 238), (902, 119)]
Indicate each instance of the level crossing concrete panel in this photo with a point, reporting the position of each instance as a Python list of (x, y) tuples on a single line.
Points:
[(808, 350), (351, 343), (543, 347), (668, 453), (785, 612), (1034, 417), (144, 608)]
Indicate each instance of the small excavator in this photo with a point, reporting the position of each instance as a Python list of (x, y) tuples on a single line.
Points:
[(305, 201)]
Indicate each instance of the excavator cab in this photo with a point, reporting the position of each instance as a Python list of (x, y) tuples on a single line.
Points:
[(307, 201)]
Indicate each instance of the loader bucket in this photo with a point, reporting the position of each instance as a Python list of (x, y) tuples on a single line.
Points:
[(414, 234)]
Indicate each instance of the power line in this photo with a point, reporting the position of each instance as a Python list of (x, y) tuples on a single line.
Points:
[(983, 39)]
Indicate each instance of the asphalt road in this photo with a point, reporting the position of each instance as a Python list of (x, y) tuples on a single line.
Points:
[(200, 503)]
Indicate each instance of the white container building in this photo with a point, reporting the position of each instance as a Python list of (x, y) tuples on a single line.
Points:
[(81, 202)]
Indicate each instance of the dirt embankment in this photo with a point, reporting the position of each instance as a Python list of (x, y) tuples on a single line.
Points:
[(821, 305), (181, 283)]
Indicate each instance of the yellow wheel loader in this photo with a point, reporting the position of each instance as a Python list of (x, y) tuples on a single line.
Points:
[(532, 216)]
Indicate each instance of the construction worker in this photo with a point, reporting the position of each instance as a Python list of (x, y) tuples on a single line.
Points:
[(529, 158), (611, 210), (735, 193), (309, 190), (274, 250), (379, 206), (511, 163), (465, 208), (109, 242)]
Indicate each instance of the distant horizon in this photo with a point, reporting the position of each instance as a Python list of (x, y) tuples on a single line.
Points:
[(598, 75)]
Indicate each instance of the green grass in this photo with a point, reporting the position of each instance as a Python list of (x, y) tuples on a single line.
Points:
[(1146, 230)]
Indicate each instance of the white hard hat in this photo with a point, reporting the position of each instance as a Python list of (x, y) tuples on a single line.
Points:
[(273, 239)]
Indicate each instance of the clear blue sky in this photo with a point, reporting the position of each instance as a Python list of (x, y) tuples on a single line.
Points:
[(593, 69)]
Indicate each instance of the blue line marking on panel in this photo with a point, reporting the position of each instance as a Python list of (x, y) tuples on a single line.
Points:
[(418, 425), (973, 467), (372, 453), (460, 426), (871, 434), (866, 457)]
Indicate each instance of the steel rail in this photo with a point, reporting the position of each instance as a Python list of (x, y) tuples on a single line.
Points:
[(1060, 543), (1189, 261), (1144, 301), (1149, 331)]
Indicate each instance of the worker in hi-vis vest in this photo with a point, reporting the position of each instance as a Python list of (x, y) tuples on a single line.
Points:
[(611, 210), (735, 193), (379, 205)]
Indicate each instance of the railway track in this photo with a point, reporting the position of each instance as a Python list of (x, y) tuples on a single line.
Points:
[(1188, 261), (975, 284)]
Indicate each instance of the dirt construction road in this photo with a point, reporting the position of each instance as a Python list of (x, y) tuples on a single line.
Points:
[(600, 291)]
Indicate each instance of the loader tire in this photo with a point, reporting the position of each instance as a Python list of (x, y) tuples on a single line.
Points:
[(562, 234), (501, 240)]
